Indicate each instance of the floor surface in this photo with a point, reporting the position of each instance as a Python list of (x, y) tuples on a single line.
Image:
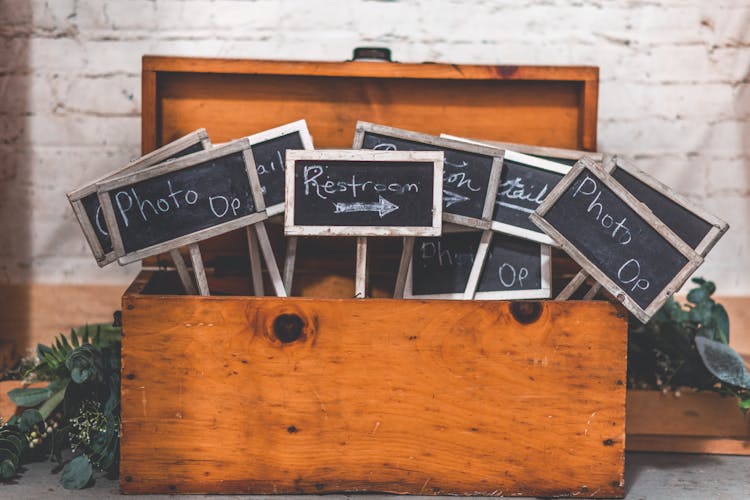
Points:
[(649, 476)]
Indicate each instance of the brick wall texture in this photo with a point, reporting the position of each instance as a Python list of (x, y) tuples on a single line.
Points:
[(674, 92)]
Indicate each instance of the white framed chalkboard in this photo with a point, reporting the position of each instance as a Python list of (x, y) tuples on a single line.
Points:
[(268, 158), (524, 184), (181, 201), (86, 205), (696, 227), (363, 193), (471, 173), (616, 239), (513, 268), (560, 155)]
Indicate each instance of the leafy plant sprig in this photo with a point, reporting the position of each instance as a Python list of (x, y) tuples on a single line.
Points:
[(79, 408), (687, 346)]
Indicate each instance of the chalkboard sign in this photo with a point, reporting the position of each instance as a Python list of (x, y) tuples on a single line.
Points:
[(514, 268), (182, 201), (470, 177), (694, 226), (363, 193), (86, 204), (269, 159), (524, 184), (616, 239)]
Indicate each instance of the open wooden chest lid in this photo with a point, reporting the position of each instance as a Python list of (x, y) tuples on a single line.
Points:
[(552, 106), (542, 105)]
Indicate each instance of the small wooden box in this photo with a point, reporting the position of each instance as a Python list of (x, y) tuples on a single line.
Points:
[(378, 395)]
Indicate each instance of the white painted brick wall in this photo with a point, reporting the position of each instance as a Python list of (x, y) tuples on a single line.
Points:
[(674, 94)]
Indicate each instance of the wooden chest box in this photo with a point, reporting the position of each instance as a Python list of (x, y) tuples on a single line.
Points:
[(322, 393)]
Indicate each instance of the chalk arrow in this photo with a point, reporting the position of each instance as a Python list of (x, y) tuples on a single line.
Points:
[(451, 198), (382, 207)]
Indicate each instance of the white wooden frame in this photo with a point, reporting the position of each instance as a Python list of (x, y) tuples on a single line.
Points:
[(157, 156), (693, 258), (108, 185), (299, 126), (494, 178), (540, 164), (434, 157), (549, 152)]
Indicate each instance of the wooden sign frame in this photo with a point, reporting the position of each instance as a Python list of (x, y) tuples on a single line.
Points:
[(719, 227), (693, 258), (76, 196), (365, 155), (494, 178), (545, 151), (299, 126), (104, 187)]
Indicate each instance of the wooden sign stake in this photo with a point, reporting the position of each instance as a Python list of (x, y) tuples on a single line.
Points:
[(182, 271), (360, 288), (198, 269), (403, 267), (572, 286), (255, 269), (476, 268), (592, 291), (291, 257), (273, 268)]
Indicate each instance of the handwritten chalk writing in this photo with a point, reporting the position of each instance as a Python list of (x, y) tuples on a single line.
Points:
[(606, 220), (434, 250), (315, 183), (271, 167), (130, 204), (99, 218), (515, 189), (508, 275), (220, 205), (633, 267), (383, 207), (459, 179), (451, 198)]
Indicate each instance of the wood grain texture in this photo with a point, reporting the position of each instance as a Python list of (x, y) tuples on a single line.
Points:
[(695, 422), (421, 397)]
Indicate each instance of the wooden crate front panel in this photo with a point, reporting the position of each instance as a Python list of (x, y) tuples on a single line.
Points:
[(379, 395)]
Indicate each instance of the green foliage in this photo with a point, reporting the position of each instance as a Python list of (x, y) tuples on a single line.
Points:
[(77, 473), (12, 447), (80, 408), (679, 347)]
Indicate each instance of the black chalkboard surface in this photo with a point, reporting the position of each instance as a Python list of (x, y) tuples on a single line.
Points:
[(86, 204), (616, 239), (524, 184), (269, 158), (514, 268), (440, 266), (698, 229), (363, 193), (182, 201), (470, 172)]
